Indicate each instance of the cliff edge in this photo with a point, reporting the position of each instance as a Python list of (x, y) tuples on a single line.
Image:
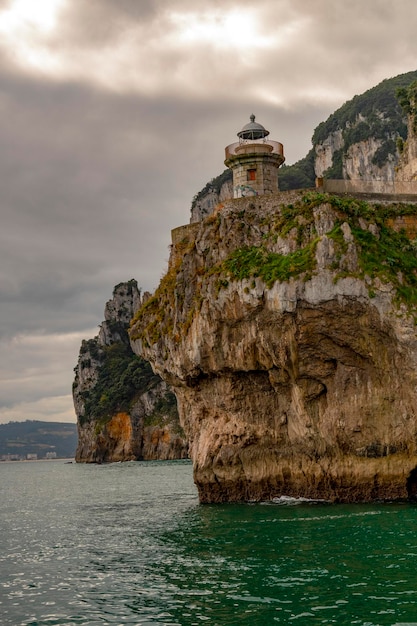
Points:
[(286, 325), (124, 411)]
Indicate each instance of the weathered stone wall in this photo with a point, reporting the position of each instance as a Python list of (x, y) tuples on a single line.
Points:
[(255, 167), (265, 178), (395, 189), (406, 223), (183, 232)]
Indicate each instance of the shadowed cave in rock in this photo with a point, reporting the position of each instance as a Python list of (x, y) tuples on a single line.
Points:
[(412, 485)]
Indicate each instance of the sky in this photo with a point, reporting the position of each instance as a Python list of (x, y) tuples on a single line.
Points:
[(115, 113)]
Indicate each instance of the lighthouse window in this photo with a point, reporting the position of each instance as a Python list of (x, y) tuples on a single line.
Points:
[(251, 174)]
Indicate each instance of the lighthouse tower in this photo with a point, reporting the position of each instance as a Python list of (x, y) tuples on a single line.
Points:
[(254, 161)]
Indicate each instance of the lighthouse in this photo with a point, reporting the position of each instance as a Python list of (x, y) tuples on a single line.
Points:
[(254, 161)]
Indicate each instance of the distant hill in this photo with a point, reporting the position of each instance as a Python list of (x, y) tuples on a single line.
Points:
[(36, 437)]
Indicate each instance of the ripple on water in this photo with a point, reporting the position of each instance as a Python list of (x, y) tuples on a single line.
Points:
[(129, 544)]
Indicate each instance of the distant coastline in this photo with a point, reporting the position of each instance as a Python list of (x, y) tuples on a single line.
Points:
[(35, 440), (63, 458)]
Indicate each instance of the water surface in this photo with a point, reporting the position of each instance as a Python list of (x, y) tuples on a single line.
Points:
[(128, 543)]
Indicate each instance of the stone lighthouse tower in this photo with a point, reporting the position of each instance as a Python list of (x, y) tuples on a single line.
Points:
[(254, 161)]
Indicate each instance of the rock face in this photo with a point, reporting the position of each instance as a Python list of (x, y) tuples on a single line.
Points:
[(286, 327), (407, 166), (124, 412), (357, 161), (217, 190), (325, 150), (362, 140)]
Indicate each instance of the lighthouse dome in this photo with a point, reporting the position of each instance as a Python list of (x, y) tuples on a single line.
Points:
[(253, 130)]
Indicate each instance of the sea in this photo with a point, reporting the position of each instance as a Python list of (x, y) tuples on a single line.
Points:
[(129, 543)]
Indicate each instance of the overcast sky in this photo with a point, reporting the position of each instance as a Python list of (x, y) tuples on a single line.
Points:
[(114, 113)]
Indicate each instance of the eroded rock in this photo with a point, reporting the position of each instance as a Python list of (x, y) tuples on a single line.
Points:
[(124, 411), (295, 374)]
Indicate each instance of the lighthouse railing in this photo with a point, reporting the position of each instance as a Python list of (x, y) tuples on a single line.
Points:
[(277, 147)]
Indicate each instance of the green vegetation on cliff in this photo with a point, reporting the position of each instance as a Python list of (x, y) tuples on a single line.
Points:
[(124, 410), (375, 114), (384, 253), (407, 97), (300, 175), (377, 109), (255, 261), (122, 378)]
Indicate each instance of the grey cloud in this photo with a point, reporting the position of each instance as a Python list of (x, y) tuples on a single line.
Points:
[(97, 22)]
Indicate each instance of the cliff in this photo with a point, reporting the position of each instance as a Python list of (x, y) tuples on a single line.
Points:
[(362, 139), (215, 191), (124, 411), (286, 327)]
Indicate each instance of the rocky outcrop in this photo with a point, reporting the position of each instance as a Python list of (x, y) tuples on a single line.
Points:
[(286, 327), (216, 191), (124, 412), (360, 161), (357, 161), (325, 150), (372, 158), (149, 431)]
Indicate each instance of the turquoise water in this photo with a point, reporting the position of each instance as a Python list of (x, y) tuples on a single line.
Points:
[(129, 544)]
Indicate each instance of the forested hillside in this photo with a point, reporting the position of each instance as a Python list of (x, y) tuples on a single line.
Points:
[(40, 438)]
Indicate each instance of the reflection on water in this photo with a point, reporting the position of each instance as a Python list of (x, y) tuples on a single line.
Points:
[(129, 544)]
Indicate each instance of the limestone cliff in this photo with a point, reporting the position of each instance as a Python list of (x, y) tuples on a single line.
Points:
[(362, 139), (356, 161), (286, 327), (124, 411), (215, 191)]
